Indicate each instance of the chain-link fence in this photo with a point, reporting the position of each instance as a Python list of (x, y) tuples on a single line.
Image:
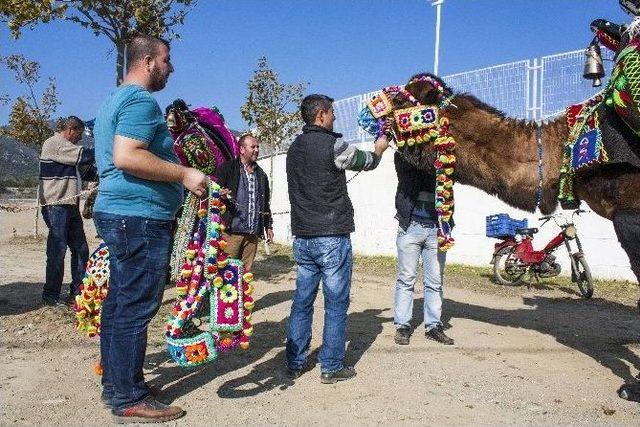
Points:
[(529, 89)]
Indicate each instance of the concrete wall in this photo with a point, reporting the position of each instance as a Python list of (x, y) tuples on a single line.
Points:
[(372, 194)]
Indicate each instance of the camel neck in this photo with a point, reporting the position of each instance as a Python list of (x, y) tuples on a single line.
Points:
[(500, 155)]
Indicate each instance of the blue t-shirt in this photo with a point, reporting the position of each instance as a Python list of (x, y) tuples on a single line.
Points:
[(132, 112)]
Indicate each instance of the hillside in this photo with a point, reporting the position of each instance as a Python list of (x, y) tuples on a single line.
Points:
[(17, 160)]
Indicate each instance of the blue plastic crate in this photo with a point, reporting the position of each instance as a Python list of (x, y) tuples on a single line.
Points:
[(501, 225)]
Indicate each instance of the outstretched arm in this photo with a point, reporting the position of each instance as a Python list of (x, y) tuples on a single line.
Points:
[(350, 158)]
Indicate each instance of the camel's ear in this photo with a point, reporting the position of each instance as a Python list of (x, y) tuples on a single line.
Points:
[(424, 92)]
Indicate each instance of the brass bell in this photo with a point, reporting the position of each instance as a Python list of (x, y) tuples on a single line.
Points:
[(593, 66)]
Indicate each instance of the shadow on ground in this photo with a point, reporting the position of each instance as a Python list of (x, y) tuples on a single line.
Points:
[(22, 297), (175, 382), (600, 329)]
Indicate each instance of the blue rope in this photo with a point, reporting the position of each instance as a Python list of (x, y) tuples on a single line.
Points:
[(539, 189)]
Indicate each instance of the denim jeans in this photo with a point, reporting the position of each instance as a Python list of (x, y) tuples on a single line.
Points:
[(139, 251), (419, 241), (330, 259), (65, 230)]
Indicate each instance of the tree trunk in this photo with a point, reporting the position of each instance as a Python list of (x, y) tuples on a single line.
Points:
[(120, 47)]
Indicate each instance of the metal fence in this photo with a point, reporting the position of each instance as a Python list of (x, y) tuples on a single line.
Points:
[(562, 82), (533, 89)]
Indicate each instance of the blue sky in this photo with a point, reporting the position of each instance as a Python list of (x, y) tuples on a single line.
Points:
[(340, 47)]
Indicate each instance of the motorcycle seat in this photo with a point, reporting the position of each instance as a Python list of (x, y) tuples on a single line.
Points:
[(527, 231)]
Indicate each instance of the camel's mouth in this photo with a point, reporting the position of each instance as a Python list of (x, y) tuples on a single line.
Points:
[(607, 33)]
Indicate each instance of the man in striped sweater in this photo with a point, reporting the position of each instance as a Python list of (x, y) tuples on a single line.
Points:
[(59, 187)]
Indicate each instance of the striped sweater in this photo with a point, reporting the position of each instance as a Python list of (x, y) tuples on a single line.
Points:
[(348, 157), (59, 177)]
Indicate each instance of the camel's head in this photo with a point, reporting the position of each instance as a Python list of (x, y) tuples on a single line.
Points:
[(428, 89)]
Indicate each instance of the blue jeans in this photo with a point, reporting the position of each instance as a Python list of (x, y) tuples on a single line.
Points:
[(65, 230), (415, 242), (330, 259), (139, 251)]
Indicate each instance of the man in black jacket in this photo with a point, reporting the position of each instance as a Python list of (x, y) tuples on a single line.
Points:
[(248, 215), (417, 238), (321, 221)]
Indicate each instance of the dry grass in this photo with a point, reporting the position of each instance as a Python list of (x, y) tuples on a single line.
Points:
[(479, 279)]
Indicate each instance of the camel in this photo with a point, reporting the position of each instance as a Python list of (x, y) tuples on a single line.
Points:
[(499, 155)]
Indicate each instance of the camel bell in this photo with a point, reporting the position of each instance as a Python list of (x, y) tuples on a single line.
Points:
[(593, 66)]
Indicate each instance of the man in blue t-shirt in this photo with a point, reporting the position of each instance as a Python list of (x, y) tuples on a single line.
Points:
[(140, 192)]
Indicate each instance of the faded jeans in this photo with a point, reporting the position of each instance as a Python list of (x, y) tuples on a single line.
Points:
[(413, 243), (139, 251), (328, 258)]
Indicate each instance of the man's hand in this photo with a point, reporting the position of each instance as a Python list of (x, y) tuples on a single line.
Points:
[(269, 235), (225, 192), (195, 181), (381, 145)]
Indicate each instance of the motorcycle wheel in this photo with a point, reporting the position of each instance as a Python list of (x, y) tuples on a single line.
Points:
[(508, 270), (583, 277)]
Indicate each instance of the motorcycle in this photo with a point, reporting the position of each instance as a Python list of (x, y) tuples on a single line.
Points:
[(514, 256)]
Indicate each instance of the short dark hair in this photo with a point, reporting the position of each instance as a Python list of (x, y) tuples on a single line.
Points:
[(311, 104), (244, 137), (71, 122), (142, 45)]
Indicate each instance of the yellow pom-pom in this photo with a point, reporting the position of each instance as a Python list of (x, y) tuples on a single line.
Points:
[(98, 369)]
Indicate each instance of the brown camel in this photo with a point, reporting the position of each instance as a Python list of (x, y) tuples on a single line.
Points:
[(500, 156)]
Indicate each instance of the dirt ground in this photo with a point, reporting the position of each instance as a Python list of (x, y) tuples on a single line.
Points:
[(538, 355)]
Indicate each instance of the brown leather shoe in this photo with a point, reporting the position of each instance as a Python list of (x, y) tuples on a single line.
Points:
[(148, 411)]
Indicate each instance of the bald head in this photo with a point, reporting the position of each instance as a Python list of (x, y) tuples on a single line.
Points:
[(71, 128), (142, 46), (148, 62), (249, 148)]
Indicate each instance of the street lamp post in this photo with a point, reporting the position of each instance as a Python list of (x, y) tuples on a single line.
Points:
[(438, 5)]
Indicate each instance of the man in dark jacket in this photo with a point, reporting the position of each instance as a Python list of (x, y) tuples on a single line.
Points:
[(248, 215), (321, 221), (417, 238)]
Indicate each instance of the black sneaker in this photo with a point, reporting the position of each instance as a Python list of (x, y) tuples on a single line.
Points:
[(343, 374), (293, 373), (630, 392), (437, 334), (403, 335)]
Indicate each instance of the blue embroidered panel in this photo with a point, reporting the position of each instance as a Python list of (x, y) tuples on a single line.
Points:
[(586, 149)]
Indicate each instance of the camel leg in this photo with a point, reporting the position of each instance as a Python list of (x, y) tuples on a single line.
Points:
[(626, 222)]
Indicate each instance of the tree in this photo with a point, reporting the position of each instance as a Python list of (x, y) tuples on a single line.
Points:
[(31, 115), (272, 107), (117, 20)]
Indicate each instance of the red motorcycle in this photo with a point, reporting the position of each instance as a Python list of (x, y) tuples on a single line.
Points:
[(514, 256)]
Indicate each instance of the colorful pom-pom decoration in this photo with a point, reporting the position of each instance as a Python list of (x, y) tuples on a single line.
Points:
[(207, 271), (93, 291), (414, 126)]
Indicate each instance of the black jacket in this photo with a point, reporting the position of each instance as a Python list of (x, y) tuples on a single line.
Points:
[(228, 176), (411, 181), (320, 204)]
